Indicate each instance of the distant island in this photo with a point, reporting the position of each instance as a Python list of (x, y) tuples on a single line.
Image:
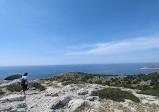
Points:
[(154, 67)]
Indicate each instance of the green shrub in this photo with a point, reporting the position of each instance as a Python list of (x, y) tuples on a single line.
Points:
[(115, 94), (14, 87), (12, 77), (144, 87), (37, 86), (153, 92)]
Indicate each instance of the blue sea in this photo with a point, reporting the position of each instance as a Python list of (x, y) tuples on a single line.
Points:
[(37, 72)]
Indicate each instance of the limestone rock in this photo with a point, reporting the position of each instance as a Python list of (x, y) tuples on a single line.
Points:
[(64, 100), (75, 104), (94, 86), (92, 98), (21, 105), (9, 83), (70, 88), (83, 92), (12, 98), (6, 109), (59, 102), (52, 94)]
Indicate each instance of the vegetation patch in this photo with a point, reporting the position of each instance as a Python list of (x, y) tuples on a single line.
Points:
[(147, 83), (37, 86), (12, 77), (153, 92), (17, 87), (14, 87), (115, 94)]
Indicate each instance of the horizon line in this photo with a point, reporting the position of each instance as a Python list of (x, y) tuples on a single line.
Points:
[(79, 64)]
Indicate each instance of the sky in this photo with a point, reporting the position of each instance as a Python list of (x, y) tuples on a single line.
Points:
[(51, 32)]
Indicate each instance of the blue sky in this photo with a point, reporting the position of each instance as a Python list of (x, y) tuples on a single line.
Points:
[(48, 32)]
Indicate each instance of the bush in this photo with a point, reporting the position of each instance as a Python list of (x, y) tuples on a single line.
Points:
[(37, 86), (153, 92), (14, 87), (12, 77), (115, 94)]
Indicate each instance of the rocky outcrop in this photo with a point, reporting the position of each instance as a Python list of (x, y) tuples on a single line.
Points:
[(6, 83), (70, 88), (93, 98), (83, 92), (59, 102), (13, 98), (75, 104), (72, 98)]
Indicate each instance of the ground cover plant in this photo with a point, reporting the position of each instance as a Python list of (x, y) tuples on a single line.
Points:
[(147, 83), (17, 87), (115, 94)]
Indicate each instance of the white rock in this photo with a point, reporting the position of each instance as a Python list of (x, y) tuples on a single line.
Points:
[(75, 104), (6, 109), (83, 92), (116, 110), (59, 102), (10, 82), (70, 88), (92, 98), (52, 94), (64, 100), (21, 105), (12, 98), (94, 86)]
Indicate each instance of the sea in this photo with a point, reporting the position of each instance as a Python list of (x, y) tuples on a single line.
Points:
[(41, 71)]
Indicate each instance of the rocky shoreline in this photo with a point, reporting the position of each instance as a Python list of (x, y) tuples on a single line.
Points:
[(154, 67), (73, 98)]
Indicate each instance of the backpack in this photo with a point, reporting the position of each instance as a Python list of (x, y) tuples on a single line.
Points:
[(23, 81)]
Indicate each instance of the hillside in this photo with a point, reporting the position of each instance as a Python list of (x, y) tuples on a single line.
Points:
[(148, 83), (81, 92)]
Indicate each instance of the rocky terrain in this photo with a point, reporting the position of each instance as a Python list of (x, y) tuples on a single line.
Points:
[(58, 97)]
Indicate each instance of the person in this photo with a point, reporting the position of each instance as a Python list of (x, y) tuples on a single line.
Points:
[(24, 82)]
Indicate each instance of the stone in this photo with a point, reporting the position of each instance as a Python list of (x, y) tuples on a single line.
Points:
[(76, 103), (6, 109), (92, 98), (83, 92), (52, 94), (94, 86), (10, 82), (65, 100), (59, 102), (12, 98), (22, 105), (70, 88)]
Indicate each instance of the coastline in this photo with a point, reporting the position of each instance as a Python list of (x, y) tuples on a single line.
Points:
[(149, 68)]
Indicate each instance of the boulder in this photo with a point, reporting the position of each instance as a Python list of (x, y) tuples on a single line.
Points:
[(21, 105), (59, 102), (92, 98), (10, 82), (94, 86), (76, 103), (12, 98), (52, 94), (70, 88), (83, 92), (65, 100), (6, 109)]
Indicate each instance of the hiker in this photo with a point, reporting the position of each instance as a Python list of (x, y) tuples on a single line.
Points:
[(24, 82)]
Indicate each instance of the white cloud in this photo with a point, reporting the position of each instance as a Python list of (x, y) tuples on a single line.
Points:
[(122, 46)]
